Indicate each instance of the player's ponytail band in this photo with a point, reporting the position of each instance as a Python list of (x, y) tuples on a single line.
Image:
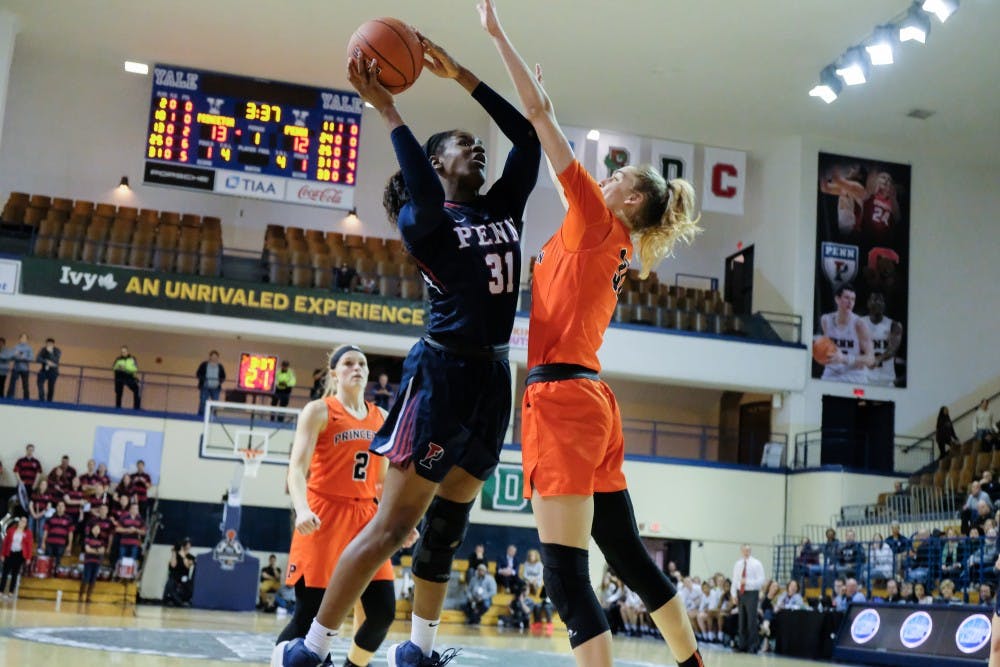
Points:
[(341, 352)]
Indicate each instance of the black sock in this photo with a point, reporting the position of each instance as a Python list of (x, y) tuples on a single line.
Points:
[(348, 663), (694, 661)]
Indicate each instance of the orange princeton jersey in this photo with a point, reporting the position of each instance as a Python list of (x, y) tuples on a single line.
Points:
[(341, 464), (574, 292)]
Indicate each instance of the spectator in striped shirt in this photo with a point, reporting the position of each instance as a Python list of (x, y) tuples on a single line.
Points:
[(62, 475), (130, 532), (73, 497), (41, 504), (99, 516), (58, 533), (102, 476), (28, 468), (93, 554), (88, 480), (141, 483)]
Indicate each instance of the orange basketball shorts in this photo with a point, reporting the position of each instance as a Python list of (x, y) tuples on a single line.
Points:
[(571, 439), (314, 556)]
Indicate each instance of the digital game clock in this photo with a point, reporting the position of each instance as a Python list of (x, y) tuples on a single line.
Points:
[(253, 138)]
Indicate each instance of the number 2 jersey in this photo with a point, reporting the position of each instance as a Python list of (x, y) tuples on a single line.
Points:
[(469, 252), (341, 464)]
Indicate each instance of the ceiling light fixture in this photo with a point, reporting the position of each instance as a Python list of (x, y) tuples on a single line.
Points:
[(594, 135), (880, 45), (941, 8), (916, 26), (136, 68), (829, 86), (853, 67)]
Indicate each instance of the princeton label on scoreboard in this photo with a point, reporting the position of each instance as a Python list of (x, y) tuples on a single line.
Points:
[(252, 138)]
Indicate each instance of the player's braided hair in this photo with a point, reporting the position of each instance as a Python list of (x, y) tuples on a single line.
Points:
[(663, 218), (396, 195)]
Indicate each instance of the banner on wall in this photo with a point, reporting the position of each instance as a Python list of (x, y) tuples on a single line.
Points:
[(217, 296), (615, 151), (673, 159), (121, 448), (724, 181), (504, 490), (862, 270)]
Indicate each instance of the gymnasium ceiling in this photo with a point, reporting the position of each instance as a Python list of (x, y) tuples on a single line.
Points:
[(699, 70)]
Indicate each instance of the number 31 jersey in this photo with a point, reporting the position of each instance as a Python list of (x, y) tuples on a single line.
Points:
[(341, 464), (472, 266)]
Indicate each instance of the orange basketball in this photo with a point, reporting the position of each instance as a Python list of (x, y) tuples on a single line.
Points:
[(395, 48), (823, 347)]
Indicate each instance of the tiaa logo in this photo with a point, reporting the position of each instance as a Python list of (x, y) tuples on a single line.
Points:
[(865, 626), (973, 633), (916, 629)]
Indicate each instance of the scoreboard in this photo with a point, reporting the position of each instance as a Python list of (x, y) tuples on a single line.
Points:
[(256, 373), (250, 137)]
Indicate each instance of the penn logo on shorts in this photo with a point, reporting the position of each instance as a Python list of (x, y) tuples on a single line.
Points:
[(434, 453)]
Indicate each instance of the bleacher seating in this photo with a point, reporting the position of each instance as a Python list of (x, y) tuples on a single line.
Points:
[(102, 233), (309, 258)]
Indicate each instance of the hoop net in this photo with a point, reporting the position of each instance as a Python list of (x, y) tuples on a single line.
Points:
[(252, 458)]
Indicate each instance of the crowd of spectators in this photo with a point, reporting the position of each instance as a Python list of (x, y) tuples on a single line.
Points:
[(70, 514), (529, 608)]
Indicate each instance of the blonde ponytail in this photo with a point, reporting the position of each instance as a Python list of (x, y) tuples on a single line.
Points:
[(664, 219)]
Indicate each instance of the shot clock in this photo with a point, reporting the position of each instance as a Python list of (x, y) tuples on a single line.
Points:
[(253, 138), (256, 373)]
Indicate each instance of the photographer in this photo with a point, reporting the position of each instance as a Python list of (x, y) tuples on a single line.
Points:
[(520, 609), (180, 575)]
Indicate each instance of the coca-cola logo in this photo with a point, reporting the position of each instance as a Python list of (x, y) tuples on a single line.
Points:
[(325, 195)]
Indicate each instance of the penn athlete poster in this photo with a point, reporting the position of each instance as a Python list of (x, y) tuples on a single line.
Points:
[(862, 271)]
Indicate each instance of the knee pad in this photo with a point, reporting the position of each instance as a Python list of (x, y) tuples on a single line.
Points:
[(445, 525), (379, 603), (566, 573), (616, 534)]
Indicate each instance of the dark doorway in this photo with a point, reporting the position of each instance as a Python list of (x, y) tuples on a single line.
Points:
[(663, 551), (738, 287), (755, 431), (858, 433)]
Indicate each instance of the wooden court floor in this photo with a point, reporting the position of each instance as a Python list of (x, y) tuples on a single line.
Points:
[(39, 633)]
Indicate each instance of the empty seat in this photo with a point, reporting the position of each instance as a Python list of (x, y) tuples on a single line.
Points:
[(411, 288), (149, 215), (170, 218), (388, 285), (116, 253), (40, 201), (187, 263), (45, 246), (33, 215), (623, 313), (62, 204), (190, 220), (69, 248), (208, 265), (128, 212), (105, 210), (92, 252)]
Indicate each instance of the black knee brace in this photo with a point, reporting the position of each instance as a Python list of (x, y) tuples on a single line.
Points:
[(379, 603), (616, 534), (566, 573), (444, 528)]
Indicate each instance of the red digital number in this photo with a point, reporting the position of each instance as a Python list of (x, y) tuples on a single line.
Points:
[(172, 104), (300, 145), (220, 133)]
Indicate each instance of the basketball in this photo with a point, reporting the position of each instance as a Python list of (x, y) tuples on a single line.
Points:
[(395, 48), (823, 347)]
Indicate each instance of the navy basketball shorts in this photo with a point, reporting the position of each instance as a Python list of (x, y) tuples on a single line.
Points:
[(449, 410)]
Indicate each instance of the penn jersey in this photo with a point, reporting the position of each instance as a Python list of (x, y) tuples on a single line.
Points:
[(574, 292), (876, 220), (470, 253), (341, 464), (846, 339), (883, 373), (472, 267)]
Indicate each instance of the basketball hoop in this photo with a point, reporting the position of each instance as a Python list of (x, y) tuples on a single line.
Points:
[(252, 458)]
